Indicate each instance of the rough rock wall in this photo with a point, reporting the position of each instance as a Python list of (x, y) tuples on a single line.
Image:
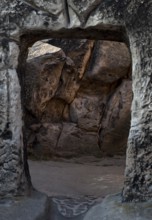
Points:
[(138, 164), (30, 20), (77, 100), (12, 171)]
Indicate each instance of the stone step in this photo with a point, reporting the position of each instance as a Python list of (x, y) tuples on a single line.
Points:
[(35, 207)]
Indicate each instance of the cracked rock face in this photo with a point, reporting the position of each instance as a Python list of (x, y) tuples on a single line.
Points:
[(24, 22), (12, 171), (76, 99)]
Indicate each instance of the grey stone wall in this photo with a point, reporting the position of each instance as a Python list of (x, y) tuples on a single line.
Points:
[(28, 21), (12, 176)]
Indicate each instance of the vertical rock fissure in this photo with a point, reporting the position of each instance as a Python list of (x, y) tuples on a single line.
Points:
[(58, 138), (66, 11)]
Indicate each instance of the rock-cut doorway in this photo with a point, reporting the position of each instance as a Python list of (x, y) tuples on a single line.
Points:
[(77, 98)]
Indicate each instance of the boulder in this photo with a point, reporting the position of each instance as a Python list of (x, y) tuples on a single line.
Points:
[(78, 50), (78, 54), (42, 79), (110, 62), (115, 125), (75, 141), (43, 139), (78, 97), (86, 111)]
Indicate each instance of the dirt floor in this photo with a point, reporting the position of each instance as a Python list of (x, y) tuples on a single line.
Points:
[(86, 176), (75, 185)]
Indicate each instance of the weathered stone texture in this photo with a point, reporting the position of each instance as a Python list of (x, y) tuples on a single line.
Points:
[(44, 77), (110, 62), (86, 111), (78, 103), (12, 176), (123, 20), (115, 125), (138, 165), (75, 141)]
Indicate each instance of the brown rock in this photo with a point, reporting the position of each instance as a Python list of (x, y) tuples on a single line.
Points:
[(87, 111), (78, 50), (116, 122), (54, 111), (69, 100), (42, 142), (69, 82), (75, 141), (78, 53), (42, 79), (110, 62)]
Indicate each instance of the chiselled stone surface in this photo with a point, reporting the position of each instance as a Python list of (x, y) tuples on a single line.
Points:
[(123, 20), (80, 12), (12, 174), (138, 165), (138, 168)]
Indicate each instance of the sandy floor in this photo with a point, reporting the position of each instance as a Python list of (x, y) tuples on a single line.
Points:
[(86, 176)]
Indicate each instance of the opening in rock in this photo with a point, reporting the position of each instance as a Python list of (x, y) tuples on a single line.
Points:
[(78, 98), (77, 114)]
